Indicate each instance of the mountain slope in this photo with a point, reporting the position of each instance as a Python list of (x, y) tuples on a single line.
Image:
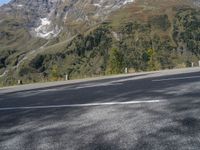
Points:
[(47, 18), (86, 38)]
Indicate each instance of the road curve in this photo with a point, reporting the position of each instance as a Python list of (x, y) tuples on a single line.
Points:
[(154, 110)]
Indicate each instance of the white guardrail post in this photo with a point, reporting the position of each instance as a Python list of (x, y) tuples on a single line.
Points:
[(126, 70), (192, 64), (67, 77), (199, 63), (19, 82)]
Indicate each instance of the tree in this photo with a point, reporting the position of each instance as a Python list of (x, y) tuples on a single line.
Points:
[(115, 61), (54, 72), (152, 63)]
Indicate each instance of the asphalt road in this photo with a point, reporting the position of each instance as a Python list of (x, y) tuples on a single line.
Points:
[(136, 112)]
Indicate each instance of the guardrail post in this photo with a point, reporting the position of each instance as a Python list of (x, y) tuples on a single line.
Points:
[(199, 63), (19, 82), (192, 64), (126, 70), (66, 77)]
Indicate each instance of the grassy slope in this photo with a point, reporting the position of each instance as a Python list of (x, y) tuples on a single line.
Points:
[(15, 42), (15, 38), (147, 24), (144, 10)]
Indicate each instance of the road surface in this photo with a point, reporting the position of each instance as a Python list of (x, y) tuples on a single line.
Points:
[(155, 110)]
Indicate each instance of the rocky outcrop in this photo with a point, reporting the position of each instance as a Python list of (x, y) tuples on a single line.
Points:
[(46, 18)]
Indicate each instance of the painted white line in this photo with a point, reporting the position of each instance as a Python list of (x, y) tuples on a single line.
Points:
[(81, 105), (172, 79), (97, 85)]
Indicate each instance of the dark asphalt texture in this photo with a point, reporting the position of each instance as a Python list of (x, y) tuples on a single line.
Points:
[(173, 123)]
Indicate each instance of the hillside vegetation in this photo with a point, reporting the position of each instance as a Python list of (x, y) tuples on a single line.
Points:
[(141, 37)]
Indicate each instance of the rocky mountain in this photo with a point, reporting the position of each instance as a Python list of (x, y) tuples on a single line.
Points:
[(47, 18), (196, 3), (41, 40)]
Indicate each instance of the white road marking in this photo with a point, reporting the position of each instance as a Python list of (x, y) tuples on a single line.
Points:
[(97, 85), (180, 78), (81, 105)]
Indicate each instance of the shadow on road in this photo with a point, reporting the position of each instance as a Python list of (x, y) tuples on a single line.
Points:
[(173, 124)]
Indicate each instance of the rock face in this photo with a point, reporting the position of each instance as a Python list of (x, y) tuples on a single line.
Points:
[(47, 18), (197, 3)]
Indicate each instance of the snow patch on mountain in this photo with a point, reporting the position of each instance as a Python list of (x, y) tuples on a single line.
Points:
[(97, 5), (105, 7), (46, 29), (128, 1), (44, 22), (112, 4), (20, 5)]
